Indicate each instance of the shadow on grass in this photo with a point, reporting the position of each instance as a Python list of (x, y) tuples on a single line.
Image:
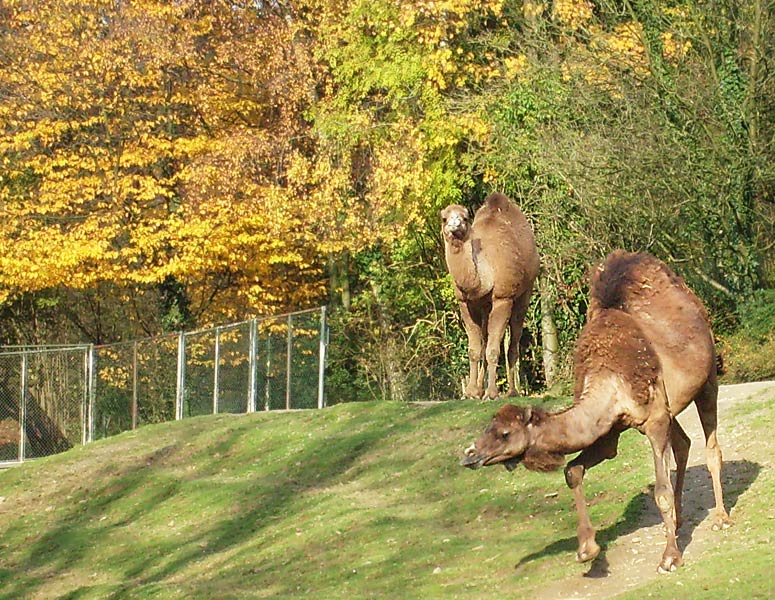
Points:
[(641, 511), (126, 493)]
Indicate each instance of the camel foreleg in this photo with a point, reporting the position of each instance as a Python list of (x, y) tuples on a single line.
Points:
[(585, 532), (475, 386), (603, 449), (681, 444), (496, 328)]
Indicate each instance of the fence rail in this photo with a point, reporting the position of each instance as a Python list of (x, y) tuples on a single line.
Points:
[(55, 397)]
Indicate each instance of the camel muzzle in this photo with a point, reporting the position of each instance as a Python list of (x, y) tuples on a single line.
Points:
[(456, 229), (472, 461)]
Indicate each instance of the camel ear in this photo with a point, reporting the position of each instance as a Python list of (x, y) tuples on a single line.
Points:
[(527, 415)]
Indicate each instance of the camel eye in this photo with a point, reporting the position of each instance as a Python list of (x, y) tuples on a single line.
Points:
[(505, 434)]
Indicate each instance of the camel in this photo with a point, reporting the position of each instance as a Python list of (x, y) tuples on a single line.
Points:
[(644, 355), (493, 262)]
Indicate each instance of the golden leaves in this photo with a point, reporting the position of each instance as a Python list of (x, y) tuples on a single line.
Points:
[(143, 141), (673, 47), (232, 149), (573, 14), (514, 66)]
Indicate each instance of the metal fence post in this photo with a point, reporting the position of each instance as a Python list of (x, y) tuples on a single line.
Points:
[(134, 385), (268, 386), (181, 379), (23, 407), (322, 358), (89, 394), (289, 344), (216, 369), (252, 364)]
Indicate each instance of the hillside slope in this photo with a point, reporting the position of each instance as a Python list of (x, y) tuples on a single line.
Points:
[(355, 501)]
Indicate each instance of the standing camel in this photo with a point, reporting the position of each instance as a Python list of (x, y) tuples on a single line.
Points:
[(493, 262), (645, 354)]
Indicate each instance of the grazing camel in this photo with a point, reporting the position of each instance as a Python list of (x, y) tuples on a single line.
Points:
[(493, 263), (677, 324), (645, 353)]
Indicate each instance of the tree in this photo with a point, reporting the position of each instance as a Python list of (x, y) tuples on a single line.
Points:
[(387, 123), (153, 148), (638, 125)]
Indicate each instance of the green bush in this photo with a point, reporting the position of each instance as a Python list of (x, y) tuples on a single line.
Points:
[(749, 353), (757, 315)]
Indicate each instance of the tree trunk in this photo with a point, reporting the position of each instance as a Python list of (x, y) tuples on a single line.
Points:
[(339, 280), (549, 339), (390, 350)]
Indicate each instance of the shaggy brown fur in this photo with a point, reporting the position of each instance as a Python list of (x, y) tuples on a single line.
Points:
[(631, 371), (493, 263)]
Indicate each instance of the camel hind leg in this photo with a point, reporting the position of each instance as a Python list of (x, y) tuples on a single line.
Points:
[(516, 322), (707, 407)]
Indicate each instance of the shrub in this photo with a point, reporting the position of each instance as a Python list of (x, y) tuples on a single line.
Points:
[(749, 353)]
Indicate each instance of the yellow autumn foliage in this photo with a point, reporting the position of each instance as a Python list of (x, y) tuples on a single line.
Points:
[(231, 147), (148, 140), (572, 14)]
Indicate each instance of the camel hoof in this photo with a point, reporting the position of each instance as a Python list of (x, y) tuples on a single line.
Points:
[(662, 571), (587, 554), (722, 522), (671, 560)]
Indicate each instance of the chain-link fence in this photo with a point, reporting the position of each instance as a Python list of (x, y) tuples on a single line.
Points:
[(44, 397), (55, 397)]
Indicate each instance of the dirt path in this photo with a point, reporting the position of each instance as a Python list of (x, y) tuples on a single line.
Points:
[(631, 559)]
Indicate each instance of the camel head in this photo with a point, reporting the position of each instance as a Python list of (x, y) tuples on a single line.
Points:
[(505, 441), (455, 222)]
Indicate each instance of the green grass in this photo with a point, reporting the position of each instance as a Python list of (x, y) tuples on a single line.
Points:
[(356, 501)]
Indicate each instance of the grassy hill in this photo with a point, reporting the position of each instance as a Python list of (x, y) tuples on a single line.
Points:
[(356, 501)]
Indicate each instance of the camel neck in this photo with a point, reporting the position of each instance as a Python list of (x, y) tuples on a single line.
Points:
[(461, 262), (573, 429)]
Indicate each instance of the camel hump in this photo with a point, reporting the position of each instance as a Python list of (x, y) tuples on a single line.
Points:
[(498, 201), (612, 279), (625, 275)]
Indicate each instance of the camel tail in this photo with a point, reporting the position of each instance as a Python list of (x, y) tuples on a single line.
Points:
[(720, 370)]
